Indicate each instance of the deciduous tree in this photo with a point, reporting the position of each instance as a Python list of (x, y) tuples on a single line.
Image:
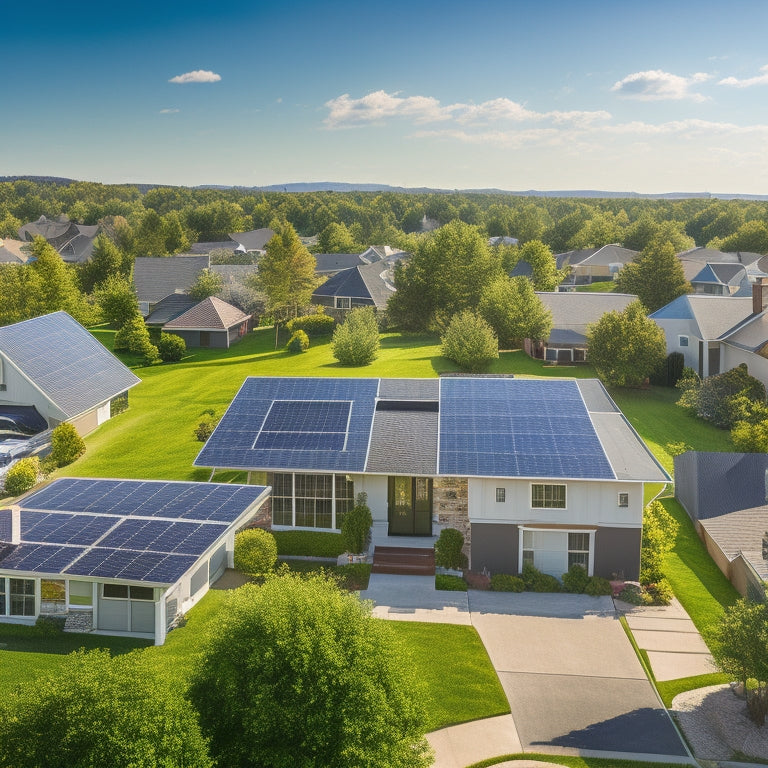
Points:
[(470, 342), (356, 340), (656, 277), (514, 311), (207, 283)]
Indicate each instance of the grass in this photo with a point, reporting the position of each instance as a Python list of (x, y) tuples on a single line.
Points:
[(449, 583), (572, 762), (454, 665), (668, 689), (602, 286)]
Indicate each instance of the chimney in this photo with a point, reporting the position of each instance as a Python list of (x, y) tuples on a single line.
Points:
[(759, 296), (10, 524)]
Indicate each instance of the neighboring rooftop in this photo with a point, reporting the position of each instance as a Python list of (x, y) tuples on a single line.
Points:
[(605, 255), (368, 281), (73, 241), (744, 531), (573, 311), (73, 370), (253, 240), (713, 316), (13, 251), (209, 314), (158, 277)]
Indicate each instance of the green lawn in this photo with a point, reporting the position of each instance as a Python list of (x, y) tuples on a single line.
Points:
[(573, 762), (604, 286)]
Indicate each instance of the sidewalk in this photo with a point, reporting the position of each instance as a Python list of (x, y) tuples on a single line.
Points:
[(674, 646)]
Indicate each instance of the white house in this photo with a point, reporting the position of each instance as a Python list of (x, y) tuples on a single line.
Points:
[(542, 471)]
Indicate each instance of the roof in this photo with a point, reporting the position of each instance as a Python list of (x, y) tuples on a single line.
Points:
[(721, 274), (73, 241), (368, 281), (335, 262), (65, 362), (751, 335), (712, 316), (169, 308), (13, 251), (573, 311), (710, 484), (145, 531), (254, 239), (503, 240), (481, 426), (224, 245), (157, 277), (210, 314), (742, 532), (601, 256)]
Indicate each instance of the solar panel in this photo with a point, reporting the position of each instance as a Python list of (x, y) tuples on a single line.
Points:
[(41, 558), (160, 536), (131, 565), (517, 428), (57, 528)]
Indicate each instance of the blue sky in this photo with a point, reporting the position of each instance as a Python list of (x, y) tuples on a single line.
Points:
[(647, 97)]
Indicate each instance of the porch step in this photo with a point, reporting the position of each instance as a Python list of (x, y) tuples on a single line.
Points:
[(408, 561)]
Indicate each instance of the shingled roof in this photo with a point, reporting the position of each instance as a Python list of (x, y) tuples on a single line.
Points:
[(573, 311), (65, 362), (210, 314), (361, 282), (158, 277)]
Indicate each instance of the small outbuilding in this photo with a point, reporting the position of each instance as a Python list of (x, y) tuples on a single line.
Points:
[(211, 323)]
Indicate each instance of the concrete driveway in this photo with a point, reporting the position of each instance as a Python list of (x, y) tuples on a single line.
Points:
[(570, 674)]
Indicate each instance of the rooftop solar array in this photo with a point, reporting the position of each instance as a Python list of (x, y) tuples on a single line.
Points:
[(286, 423), (124, 529), (517, 428)]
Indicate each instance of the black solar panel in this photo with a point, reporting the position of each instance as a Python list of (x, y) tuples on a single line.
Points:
[(41, 558), (160, 536), (58, 528)]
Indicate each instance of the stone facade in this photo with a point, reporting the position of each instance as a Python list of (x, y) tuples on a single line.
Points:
[(79, 621), (450, 506)]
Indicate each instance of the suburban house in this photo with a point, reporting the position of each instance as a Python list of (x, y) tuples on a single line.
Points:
[(13, 251), (157, 277), (122, 556), (52, 364), (588, 264), (694, 260), (572, 313), (74, 242), (210, 323), (369, 285), (542, 471), (717, 333), (329, 264), (254, 241), (726, 495), (721, 280)]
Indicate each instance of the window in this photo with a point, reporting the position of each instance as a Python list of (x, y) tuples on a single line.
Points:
[(682, 341), (578, 550), (142, 593), (501, 494), (282, 499), (80, 593), (309, 501), (343, 302), (2, 596), (528, 545), (547, 496), (623, 499), (21, 594), (115, 591)]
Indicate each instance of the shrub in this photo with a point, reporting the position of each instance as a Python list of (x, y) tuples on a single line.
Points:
[(171, 347), (353, 576), (255, 551), (317, 324), (470, 342), (309, 543), (598, 586), (66, 444), (134, 337), (22, 476), (660, 592), (356, 526), (544, 582), (46, 626), (356, 340), (207, 424), (633, 594), (299, 342), (575, 581), (448, 548), (448, 583), (529, 574), (659, 532), (506, 582)]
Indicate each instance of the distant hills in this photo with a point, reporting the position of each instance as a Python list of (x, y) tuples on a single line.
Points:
[(336, 186)]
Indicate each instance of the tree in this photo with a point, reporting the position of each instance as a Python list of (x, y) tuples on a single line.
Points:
[(304, 676), (150, 235), (106, 261), (286, 272), (741, 650), (117, 300), (356, 526), (336, 238), (96, 711), (207, 283), (57, 289), (752, 236), (66, 444), (545, 274), (470, 342), (514, 311), (356, 340), (134, 337), (659, 532), (177, 238), (626, 347), (656, 277), (603, 228), (22, 476), (171, 347)]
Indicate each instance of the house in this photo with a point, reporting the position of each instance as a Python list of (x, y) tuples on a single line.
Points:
[(13, 251), (331, 263), (254, 241), (695, 259), (726, 496), (210, 323), (572, 314), (74, 242), (157, 277), (721, 280), (368, 285), (502, 240), (588, 264), (119, 556), (541, 471), (53, 364)]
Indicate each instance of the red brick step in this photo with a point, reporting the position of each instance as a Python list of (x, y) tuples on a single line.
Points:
[(407, 561)]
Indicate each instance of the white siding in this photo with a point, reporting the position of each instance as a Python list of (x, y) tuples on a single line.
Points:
[(19, 391), (587, 503), (673, 330), (377, 489), (102, 414), (730, 357)]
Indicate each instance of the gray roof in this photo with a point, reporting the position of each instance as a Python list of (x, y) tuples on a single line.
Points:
[(409, 389), (335, 262), (254, 239), (169, 308), (742, 531), (711, 484), (712, 316), (13, 251), (721, 274), (403, 442), (73, 370), (601, 256), (200, 248), (752, 334), (368, 281), (73, 241), (210, 314), (158, 277), (573, 311)]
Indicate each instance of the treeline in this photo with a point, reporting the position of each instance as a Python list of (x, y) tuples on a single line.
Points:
[(167, 219)]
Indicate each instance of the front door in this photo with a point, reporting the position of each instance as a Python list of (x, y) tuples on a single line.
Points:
[(410, 506)]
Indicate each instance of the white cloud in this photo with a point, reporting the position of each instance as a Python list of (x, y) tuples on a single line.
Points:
[(168, 111), (748, 82), (655, 85), (379, 106), (196, 76)]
